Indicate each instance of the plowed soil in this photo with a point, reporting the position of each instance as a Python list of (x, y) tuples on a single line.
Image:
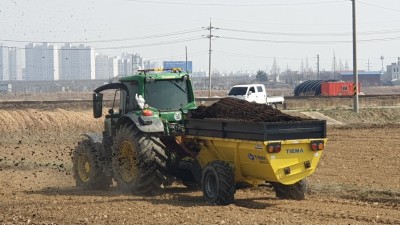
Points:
[(357, 181)]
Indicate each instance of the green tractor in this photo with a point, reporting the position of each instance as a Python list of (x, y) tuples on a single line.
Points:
[(152, 140), (139, 147)]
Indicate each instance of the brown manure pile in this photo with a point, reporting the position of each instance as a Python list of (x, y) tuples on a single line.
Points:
[(237, 109)]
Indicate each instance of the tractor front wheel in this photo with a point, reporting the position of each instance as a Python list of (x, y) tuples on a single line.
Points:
[(218, 183), (88, 173)]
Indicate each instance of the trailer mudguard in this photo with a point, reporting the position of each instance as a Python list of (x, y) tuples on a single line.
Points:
[(147, 124)]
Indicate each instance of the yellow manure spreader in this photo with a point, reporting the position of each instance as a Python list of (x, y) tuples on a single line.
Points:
[(233, 152)]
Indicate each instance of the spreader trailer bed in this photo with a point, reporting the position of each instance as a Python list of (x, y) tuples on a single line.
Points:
[(280, 153)]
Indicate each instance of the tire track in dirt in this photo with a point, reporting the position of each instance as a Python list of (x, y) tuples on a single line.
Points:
[(357, 202), (375, 198), (339, 215), (325, 206)]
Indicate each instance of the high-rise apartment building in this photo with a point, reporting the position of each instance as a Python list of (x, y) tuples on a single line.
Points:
[(15, 64), (393, 71), (4, 65), (77, 62), (147, 64), (106, 67), (41, 62), (129, 63)]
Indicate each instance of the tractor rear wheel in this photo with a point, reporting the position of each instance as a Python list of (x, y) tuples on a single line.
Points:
[(218, 183), (294, 191), (88, 173), (138, 161)]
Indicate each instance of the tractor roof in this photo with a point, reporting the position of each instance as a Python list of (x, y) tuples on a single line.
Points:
[(157, 74)]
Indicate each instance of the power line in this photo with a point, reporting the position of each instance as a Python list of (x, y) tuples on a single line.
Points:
[(121, 47), (302, 24), (233, 54), (285, 33), (379, 39), (251, 56), (377, 6), (198, 53), (312, 34), (154, 44), (240, 5), (282, 41), (113, 40), (308, 42), (232, 30)]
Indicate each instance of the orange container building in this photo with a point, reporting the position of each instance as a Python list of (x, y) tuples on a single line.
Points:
[(338, 88)]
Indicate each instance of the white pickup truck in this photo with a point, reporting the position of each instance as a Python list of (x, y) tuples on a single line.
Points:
[(255, 93)]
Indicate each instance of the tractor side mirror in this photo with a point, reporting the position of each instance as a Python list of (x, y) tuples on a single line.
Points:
[(97, 105)]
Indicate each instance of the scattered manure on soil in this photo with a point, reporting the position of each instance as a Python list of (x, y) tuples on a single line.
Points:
[(237, 109)]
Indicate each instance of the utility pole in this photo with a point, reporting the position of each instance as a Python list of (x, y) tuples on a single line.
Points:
[(289, 75), (186, 59), (334, 67), (132, 64), (210, 36), (368, 65), (274, 70), (318, 67), (355, 72)]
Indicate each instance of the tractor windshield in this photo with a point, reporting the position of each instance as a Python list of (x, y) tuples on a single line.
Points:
[(166, 94)]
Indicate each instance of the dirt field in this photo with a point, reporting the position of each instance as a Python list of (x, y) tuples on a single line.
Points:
[(357, 181)]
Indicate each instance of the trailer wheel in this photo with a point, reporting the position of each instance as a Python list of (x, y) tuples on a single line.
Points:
[(218, 183), (138, 161), (295, 191), (88, 173)]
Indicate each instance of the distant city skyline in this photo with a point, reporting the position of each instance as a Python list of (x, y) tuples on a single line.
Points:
[(334, 59), (80, 62), (73, 62), (250, 35)]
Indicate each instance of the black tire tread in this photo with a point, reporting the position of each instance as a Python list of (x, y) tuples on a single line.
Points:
[(98, 180), (295, 191), (225, 179), (151, 161)]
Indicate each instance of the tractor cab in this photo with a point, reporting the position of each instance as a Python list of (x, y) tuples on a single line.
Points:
[(155, 100)]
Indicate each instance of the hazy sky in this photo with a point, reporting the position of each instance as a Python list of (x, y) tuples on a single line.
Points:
[(251, 32)]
